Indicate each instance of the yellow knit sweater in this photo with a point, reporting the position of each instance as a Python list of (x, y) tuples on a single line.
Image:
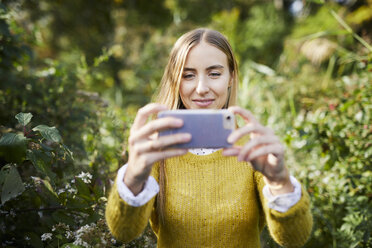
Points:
[(211, 201)]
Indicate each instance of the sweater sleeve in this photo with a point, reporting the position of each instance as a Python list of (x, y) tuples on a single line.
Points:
[(150, 189), (291, 228), (283, 202), (126, 222)]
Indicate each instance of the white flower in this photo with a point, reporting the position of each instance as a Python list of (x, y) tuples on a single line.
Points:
[(80, 232), (103, 241), (46, 236), (28, 185), (81, 243), (60, 191), (86, 177), (69, 235), (70, 189)]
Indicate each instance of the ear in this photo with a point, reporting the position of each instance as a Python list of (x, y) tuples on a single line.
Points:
[(231, 79)]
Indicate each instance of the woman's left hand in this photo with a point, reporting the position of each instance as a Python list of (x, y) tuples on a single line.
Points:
[(263, 150)]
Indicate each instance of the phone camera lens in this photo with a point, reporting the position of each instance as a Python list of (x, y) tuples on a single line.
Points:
[(228, 117)]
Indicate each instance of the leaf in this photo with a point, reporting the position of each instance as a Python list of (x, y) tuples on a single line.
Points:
[(44, 190), (41, 161), (49, 133), (262, 69), (78, 202), (68, 151), (62, 217), (13, 147), (83, 189), (93, 218), (23, 118), (50, 188), (59, 236), (13, 185), (46, 147)]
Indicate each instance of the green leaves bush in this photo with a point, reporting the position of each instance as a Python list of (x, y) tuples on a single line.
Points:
[(41, 190), (58, 149), (338, 138)]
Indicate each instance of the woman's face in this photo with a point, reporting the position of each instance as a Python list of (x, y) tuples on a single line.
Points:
[(205, 79)]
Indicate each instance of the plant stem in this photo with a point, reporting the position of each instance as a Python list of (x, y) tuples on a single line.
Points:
[(349, 29), (45, 209)]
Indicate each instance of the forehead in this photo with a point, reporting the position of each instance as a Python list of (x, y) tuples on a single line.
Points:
[(205, 54)]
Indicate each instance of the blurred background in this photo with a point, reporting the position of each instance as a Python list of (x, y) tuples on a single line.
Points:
[(73, 73)]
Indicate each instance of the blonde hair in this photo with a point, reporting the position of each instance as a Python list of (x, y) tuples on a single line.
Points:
[(169, 95), (170, 84)]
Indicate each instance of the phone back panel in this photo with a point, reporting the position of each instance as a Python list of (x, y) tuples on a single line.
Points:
[(208, 128)]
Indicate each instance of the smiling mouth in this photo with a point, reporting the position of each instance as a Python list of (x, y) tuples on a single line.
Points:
[(203, 102)]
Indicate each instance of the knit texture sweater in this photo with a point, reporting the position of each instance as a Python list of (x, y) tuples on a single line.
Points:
[(211, 201)]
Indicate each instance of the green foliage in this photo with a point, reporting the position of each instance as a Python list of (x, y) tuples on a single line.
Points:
[(23, 118), (338, 136), (324, 115), (49, 194), (321, 20), (10, 182), (48, 133), (52, 190), (13, 147), (258, 37)]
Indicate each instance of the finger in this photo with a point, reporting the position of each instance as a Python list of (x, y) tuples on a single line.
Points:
[(255, 143), (156, 126), (163, 142), (276, 149), (246, 114), (233, 151), (247, 129), (144, 113), (160, 155), (272, 159)]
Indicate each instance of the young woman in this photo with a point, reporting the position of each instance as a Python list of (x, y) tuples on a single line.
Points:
[(205, 197)]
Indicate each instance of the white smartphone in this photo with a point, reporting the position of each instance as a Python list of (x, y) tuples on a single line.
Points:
[(208, 128)]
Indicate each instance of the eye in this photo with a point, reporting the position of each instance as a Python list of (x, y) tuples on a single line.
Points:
[(188, 76), (214, 74)]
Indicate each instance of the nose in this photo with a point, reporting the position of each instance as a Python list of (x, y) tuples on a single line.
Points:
[(202, 87)]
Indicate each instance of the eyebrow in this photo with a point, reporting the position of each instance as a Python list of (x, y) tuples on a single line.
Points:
[(208, 68)]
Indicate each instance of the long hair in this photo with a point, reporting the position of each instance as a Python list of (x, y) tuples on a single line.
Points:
[(169, 95)]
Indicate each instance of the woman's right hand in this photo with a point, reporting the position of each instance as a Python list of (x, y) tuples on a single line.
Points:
[(146, 148)]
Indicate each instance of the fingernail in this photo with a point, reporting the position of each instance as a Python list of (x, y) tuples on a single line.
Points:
[(186, 136), (178, 122), (226, 153)]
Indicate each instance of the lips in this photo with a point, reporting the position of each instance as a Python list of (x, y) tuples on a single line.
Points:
[(203, 102)]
